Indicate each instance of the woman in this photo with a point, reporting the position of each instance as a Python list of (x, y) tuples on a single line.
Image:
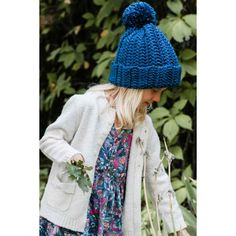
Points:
[(108, 128)]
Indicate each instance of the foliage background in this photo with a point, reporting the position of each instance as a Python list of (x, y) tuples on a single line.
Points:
[(78, 40)]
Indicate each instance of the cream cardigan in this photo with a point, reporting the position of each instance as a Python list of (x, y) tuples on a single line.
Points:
[(82, 127)]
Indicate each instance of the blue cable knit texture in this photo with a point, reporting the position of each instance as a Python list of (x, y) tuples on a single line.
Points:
[(144, 58)]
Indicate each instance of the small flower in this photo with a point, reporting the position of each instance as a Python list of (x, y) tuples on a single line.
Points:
[(169, 156)]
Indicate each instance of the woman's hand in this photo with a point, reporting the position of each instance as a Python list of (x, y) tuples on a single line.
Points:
[(76, 157), (183, 232), (77, 170)]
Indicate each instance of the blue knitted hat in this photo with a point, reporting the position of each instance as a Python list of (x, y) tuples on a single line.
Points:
[(145, 57)]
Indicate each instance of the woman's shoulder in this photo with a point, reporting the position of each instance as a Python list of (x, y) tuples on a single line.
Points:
[(88, 98), (150, 126), (148, 121)]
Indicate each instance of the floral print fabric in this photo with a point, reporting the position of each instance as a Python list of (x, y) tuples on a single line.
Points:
[(47, 228), (104, 215)]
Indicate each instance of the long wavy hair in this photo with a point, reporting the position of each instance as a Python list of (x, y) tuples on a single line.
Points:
[(127, 103)]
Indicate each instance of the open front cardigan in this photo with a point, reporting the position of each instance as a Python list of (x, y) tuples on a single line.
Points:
[(82, 127)]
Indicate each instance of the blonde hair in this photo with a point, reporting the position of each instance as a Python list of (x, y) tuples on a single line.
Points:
[(126, 102)]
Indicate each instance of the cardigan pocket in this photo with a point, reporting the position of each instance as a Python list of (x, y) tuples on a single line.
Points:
[(60, 194)]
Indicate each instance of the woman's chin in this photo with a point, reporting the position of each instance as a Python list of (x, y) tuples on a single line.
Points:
[(145, 104)]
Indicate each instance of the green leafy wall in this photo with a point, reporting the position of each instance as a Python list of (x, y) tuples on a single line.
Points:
[(78, 40)]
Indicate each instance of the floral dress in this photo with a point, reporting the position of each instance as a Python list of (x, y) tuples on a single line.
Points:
[(104, 215), (108, 192)]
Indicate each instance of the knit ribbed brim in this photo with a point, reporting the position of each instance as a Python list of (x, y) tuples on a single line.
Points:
[(155, 77)]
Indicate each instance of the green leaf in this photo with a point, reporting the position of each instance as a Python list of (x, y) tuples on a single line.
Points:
[(80, 48), (192, 230), (73, 170), (174, 111), (193, 181), (181, 31), (106, 55), (163, 99), (88, 16), (176, 184), (177, 151), (190, 66), (110, 38), (89, 23), (183, 73), (116, 5), (82, 91), (175, 172), (170, 129), (67, 49), (88, 168), (189, 94), (184, 121), (97, 55), (187, 54), (99, 2), (188, 217), (69, 90), (174, 26), (187, 172), (161, 122), (175, 6), (181, 195), (47, 47), (187, 84), (101, 67), (101, 43), (53, 54), (76, 66), (190, 189), (77, 171), (166, 25), (79, 57), (159, 113), (119, 30), (190, 19), (104, 11), (45, 30), (169, 94), (52, 77), (192, 96), (67, 59), (180, 104)]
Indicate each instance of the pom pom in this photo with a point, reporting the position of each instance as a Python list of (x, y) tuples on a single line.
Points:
[(138, 14)]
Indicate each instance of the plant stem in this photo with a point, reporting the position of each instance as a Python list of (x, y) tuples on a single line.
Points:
[(145, 196), (169, 170), (171, 213), (158, 221)]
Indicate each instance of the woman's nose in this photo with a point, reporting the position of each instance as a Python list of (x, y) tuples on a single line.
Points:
[(156, 98)]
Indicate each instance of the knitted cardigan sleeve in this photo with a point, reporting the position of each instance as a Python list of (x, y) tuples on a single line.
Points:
[(55, 143), (159, 186)]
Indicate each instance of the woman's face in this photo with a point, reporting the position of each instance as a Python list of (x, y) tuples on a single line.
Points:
[(151, 95)]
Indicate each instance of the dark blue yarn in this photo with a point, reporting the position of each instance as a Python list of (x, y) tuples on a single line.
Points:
[(144, 58), (139, 14)]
